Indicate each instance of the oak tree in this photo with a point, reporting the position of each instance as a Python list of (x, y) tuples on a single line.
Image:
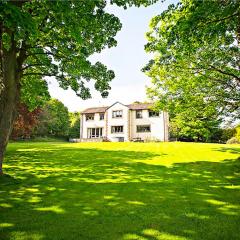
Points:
[(41, 38), (195, 70)]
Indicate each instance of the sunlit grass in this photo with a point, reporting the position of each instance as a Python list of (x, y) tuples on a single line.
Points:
[(105, 191)]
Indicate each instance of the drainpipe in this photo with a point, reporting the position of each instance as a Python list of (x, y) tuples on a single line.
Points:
[(106, 124), (163, 126), (81, 125), (167, 126), (129, 124)]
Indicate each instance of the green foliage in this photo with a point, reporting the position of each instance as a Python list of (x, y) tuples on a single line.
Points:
[(53, 120), (47, 139), (74, 129), (130, 3), (189, 127), (227, 133), (56, 38), (34, 92), (233, 140), (195, 71), (238, 133)]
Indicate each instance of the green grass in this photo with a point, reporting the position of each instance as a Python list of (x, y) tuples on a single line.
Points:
[(120, 191)]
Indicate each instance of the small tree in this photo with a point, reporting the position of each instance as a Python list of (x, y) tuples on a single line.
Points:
[(188, 127), (74, 130), (25, 122), (238, 133), (53, 120)]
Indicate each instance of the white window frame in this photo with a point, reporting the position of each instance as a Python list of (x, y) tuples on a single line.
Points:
[(95, 132), (101, 114), (153, 113), (139, 112), (88, 115), (113, 129), (143, 126), (119, 114)]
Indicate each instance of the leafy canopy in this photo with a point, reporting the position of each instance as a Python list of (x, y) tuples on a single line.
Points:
[(195, 70), (53, 120), (74, 130), (25, 122), (56, 38)]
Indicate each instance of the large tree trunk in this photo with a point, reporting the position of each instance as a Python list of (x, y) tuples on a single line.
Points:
[(9, 97)]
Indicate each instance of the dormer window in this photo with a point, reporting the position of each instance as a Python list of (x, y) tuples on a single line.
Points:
[(89, 117), (117, 114), (153, 113), (138, 113), (101, 116)]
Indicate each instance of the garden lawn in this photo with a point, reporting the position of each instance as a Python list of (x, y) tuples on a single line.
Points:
[(120, 191)]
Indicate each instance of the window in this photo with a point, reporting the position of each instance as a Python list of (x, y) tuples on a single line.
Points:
[(153, 113), (89, 117), (101, 116), (94, 132), (117, 114), (117, 129), (143, 128), (138, 113)]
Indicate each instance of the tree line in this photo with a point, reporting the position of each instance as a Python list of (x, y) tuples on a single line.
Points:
[(52, 120), (204, 132)]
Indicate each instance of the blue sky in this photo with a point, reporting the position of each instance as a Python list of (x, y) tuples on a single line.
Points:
[(126, 60)]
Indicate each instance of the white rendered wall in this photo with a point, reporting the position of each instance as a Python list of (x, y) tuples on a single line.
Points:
[(156, 124), (117, 122), (129, 123), (96, 123)]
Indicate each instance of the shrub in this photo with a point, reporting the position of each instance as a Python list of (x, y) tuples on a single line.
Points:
[(238, 133), (233, 140), (227, 133)]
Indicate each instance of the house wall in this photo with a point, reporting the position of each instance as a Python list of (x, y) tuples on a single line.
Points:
[(159, 125), (93, 124), (156, 123), (117, 122)]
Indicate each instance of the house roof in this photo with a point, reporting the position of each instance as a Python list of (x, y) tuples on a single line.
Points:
[(133, 106), (140, 106), (95, 110)]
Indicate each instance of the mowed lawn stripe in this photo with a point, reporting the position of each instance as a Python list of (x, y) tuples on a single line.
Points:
[(120, 191)]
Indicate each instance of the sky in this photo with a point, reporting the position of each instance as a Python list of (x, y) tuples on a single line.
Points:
[(126, 60)]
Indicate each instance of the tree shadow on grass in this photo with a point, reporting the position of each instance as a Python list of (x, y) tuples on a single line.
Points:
[(67, 193), (229, 149)]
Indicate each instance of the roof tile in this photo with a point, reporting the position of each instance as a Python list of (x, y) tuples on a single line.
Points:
[(140, 106), (133, 106), (95, 110)]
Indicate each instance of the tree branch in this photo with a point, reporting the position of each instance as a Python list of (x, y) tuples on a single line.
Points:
[(32, 65), (225, 73), (43, 75), (223, 19), (46, 53)]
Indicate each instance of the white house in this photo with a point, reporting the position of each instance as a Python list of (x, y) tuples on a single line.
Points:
[(121, 123)]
